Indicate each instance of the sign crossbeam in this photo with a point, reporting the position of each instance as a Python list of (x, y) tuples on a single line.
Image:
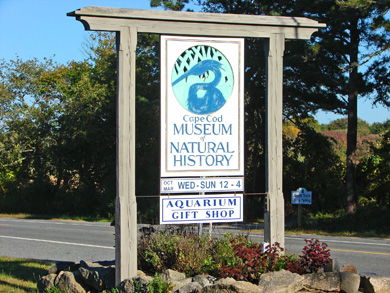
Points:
[(189, 23)]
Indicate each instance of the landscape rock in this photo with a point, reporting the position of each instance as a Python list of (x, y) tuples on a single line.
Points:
[(328, 282), (63, 266), (99, 275), (178, 284), (204, 280), (230, 285), (143, 281), (225, 281), (92, 279), (349, 282), (66, 282), (282, 282), (46, 282), (126, 286), (171, 275), (349, 269), (192, 287), (375, 284)]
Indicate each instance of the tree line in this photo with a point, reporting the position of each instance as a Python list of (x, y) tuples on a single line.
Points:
[(58, 121)]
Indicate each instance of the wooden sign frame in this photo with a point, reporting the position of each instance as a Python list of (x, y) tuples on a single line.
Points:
[(127, 23)]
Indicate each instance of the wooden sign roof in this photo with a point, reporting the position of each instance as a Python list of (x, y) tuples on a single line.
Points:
[(195, 23)]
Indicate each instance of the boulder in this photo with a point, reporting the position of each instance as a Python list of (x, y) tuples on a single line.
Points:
[(99, 275), (322, 281), (349, 282), (92, 278), (178, 284), (349, 269), (192, 287), (46, 282), (142, 282), (68, 266), (126, 286), (66, 282), (171, 275), (282, 282), (204, 280), (230, 285), (375, 284)]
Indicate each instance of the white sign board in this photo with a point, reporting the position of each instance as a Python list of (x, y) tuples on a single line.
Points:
[(187, 209), (202, 106), (198, 185), (301, 196)]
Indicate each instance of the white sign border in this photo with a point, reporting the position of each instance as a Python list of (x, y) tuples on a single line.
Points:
[(167, 221), (227, 186), (239, 84)]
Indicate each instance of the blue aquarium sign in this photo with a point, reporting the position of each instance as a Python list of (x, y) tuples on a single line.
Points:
[(202, 106)]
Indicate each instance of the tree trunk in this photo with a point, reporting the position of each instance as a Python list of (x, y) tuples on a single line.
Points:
[(353, 84)]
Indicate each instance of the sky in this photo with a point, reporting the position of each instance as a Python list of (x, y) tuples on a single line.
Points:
[(41, 29)]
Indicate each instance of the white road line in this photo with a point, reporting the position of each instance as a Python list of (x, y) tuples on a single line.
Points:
[(57, 242)]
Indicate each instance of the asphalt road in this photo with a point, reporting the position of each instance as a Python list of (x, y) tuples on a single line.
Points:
[(75, 241)]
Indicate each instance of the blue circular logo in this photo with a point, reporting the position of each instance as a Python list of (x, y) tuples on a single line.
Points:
[(202, 79)]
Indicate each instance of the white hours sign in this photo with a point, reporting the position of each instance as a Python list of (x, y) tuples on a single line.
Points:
[(202, 107)]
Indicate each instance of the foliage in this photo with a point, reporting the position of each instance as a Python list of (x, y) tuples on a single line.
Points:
[(252, 261), (189, 254), (58, 131), (341, 125), (363, 148), (370, 220), (315, 256), (374, 174), (311, 162), (60, 121), (169, 5), (230, 256), (380, 128), (159, 286)]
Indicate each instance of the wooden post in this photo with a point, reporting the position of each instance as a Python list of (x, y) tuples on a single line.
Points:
[(126, 206), (299, 215), (274, 212)]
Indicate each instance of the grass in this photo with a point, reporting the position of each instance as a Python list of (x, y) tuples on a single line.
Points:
[(21, 275)]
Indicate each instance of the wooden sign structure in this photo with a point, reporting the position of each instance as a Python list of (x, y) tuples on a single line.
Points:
[(127, 23)]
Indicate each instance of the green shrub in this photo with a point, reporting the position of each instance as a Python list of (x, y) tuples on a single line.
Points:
[(237, 257), (188, 254)]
